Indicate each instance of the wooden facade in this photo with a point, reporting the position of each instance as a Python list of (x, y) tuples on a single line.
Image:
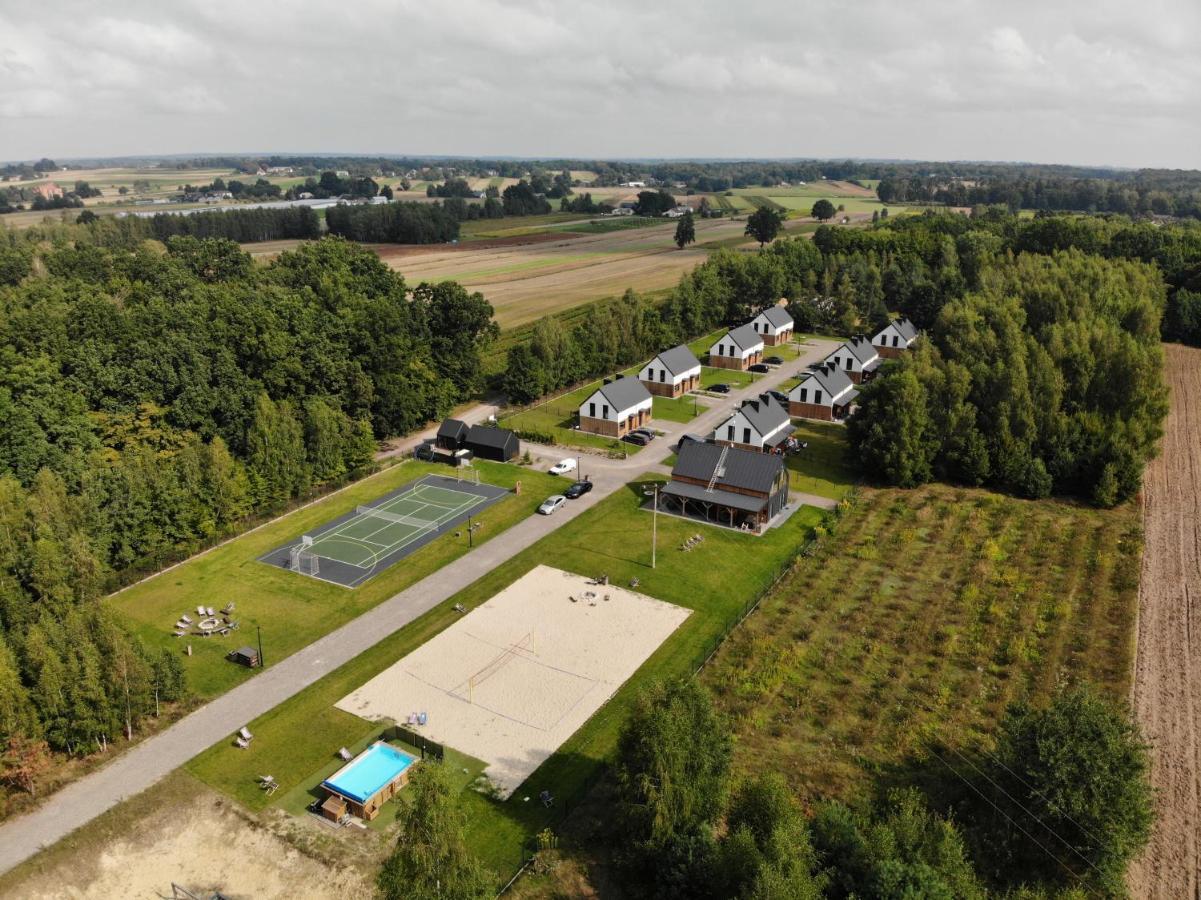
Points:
[(666, 389), (734, 362), (609, 428)]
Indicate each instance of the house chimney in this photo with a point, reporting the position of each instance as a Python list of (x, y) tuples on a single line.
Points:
[(605, 381)]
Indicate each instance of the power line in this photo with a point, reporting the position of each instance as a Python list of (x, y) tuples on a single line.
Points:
[(1011, 820)]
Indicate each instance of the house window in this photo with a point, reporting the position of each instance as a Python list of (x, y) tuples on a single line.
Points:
[(721, 349), (605, 411), (592, 410), (746, 435), (848, 364), (662, 375), (894, 340), (817, 396), (883, 340), (804, 395), (730, 433)]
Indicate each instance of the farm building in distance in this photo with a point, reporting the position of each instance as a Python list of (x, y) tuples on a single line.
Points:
[(726, 485), (739, 348), (895, 338), (857, 357), (672, 373), (761, 424), (774, 325), (616, 408), (825, 392), (48, 191)]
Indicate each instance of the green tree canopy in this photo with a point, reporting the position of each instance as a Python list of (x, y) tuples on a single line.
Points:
[(764, 224), (823, 210)]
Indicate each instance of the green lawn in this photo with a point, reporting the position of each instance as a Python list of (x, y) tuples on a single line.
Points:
[(557, 418), (678, 409), (700, 347), (733, 377), (296, 740), (293, 610), (823, 468)]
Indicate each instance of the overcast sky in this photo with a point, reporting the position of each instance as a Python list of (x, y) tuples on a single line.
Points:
[(1098, 82)]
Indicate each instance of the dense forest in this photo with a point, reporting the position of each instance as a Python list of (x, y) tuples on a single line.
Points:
[(154, 396)]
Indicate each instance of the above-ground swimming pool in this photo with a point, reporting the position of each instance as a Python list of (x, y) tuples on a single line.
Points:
[(369, 773)]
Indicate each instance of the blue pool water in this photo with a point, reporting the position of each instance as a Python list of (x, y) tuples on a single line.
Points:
[(364, 775)]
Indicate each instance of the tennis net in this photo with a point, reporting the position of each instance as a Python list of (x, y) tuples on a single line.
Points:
[(393, 517)]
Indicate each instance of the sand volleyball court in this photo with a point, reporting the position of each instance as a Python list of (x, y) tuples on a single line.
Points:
[(514, 678)]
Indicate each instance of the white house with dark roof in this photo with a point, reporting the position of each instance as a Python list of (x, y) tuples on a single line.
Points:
[(672, 373), (726, 486), (774, 325), (895, 338), (857, 357), (760, 424), (616, 407), (824, 392), (739, 348)]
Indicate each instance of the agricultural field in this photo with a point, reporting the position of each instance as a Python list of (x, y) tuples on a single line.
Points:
[(526, 270), (614, 538), (920, 618), (293, 610)]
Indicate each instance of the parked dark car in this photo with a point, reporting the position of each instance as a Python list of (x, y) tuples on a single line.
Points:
[(635, 438), (774, 361), (645, 432), (577, 490), (760, 368), (426, 452), (780, 397), (719, 388)]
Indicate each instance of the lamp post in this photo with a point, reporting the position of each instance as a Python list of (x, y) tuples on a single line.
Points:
[(259, 630), (655, 526)]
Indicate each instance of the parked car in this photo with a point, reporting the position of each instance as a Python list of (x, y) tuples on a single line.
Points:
[(780, 397), (577, 490), (774, 361), (426, 452), (562, 467), (550, 504), (645, 432), (719, 388), (635, 438), (760, 368)]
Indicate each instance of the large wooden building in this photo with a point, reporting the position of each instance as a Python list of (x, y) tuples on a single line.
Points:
[(617, 407), (727, 486)]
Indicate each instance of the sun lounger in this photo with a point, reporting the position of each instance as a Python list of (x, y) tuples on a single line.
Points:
[(242, 743), (179, 633), (245, 733), (210, 611), (200, 610), (266, 779), (421, 719), (227, 608), (345, 754), (186, 618)]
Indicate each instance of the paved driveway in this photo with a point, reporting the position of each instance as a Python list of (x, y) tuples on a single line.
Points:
[(136, 770)]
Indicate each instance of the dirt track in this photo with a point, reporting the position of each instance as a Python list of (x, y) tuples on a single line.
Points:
[(1166, 692)]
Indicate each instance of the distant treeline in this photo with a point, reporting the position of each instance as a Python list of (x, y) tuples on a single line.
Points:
[(395, 223), (242, 225)]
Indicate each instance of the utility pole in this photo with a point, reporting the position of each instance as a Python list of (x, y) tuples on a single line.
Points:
[(259, 629), (655, 526), (470, 543)]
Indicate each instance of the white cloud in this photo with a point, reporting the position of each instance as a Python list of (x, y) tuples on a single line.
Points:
[(1107, 82)]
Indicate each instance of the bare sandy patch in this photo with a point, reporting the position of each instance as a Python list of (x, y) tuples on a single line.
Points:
[(514, 678), (202, 846)]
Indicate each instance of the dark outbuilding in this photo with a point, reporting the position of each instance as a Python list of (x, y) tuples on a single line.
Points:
[(245, 656), (488, 442), (451, 435)]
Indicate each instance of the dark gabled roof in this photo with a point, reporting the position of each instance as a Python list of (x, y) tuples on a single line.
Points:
[(490, 436), (905, 329), (777, 316), (744, 336), (452, 428), (764, 413), (860, 348), (622, 393), (679, 360), (832, 380), (746, 469), (744, 502)]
